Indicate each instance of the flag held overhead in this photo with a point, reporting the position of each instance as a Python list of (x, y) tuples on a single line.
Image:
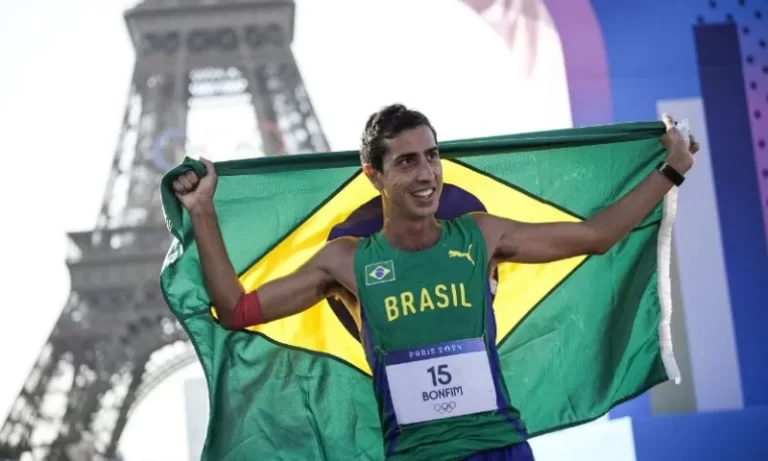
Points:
[(575, 337)]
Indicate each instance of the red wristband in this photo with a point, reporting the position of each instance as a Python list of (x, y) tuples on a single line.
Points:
[(247, 312)]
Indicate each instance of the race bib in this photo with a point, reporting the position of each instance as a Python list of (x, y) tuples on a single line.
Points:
[(440, 381)]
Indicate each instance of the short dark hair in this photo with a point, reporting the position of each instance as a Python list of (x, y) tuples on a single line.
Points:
[(387, 123)]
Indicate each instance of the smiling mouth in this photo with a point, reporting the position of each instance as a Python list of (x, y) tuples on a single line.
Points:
[(424, 193)]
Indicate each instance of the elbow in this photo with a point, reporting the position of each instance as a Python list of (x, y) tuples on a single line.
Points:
[(226, 315), (244, 312), (225, 319)]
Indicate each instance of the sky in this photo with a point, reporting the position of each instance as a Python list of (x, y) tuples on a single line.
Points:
[(66, 73)]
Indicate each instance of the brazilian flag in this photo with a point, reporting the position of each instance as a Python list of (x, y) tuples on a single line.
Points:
[(575, 337)]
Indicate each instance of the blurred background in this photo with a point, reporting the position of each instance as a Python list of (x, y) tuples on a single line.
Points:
[(99, 98)]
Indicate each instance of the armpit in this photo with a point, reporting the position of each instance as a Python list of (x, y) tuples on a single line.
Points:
[(347, 308)]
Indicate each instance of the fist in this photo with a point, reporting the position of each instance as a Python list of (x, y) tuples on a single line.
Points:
[(680, 149), (193, 191)]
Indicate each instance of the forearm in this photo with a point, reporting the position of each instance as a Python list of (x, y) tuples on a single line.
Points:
[(613, 223), (513, 241), (219, 275)]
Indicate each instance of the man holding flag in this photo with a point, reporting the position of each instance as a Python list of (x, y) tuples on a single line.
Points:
[(420, 287)]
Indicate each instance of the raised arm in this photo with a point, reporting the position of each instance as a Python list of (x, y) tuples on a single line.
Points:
[(277, 299), (544, 242)]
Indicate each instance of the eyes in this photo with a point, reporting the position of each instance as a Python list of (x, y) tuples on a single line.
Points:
[(409, 160)]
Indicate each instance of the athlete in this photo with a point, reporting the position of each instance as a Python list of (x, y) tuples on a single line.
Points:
[(440, 392)]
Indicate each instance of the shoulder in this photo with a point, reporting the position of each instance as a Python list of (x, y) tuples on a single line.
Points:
[(470, 222), (492, 227), (489, 222), (337, 260), (338, 250), (331, 265), (464, 221), (484, 221)]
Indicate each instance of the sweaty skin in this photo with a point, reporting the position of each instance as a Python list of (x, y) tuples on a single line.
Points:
[(410, 184)]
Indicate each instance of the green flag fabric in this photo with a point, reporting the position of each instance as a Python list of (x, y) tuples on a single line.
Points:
[(575, 337)]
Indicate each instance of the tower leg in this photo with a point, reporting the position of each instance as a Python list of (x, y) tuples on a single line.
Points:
[(99, 359)]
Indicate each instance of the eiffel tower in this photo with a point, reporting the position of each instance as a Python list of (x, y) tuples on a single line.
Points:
[(101, 358)]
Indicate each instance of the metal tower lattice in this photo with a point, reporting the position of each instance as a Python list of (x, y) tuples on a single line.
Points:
[(102, 356)]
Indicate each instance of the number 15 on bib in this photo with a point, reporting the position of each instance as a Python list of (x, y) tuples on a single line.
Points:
[(440, 381)]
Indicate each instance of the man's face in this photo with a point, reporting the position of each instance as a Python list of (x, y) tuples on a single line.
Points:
[(412, 177)]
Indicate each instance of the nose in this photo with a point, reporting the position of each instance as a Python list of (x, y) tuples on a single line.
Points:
[(426, 172)]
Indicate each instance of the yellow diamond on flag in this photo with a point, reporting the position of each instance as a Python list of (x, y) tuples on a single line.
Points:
[(521, 287)]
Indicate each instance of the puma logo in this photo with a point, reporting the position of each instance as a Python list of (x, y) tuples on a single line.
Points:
[(458, 254)]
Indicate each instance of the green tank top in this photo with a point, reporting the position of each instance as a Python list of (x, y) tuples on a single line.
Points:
[(428, 331)]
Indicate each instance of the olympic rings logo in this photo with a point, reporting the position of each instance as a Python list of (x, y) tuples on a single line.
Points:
[(445, 407), (158, 154)]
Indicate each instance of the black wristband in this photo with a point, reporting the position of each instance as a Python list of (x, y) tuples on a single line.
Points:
[(671, 173)]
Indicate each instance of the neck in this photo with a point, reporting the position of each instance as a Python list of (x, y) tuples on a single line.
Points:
[(414, 234)]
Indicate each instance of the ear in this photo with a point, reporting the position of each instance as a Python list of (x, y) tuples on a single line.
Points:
[(373, 175)]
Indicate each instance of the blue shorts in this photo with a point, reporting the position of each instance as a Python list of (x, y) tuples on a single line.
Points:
[(517, 452)]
